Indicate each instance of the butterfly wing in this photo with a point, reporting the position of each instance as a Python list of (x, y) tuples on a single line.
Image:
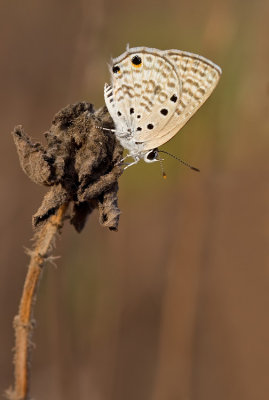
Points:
[(158, 83), (119, 97), (109, 100), (199, 78), (144, 95)]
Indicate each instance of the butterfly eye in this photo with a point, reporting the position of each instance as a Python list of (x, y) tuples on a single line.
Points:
[(136, 61), (116, 70), (151, 156)]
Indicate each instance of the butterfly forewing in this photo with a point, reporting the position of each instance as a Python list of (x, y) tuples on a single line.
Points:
[(199, 78)]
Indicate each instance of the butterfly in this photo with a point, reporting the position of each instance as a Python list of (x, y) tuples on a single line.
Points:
[(153, 93)]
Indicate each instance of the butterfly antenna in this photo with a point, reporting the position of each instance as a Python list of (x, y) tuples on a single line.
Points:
[(179, 159), (161, 164)]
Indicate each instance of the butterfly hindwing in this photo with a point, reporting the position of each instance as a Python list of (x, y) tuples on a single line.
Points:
[(159, 83), (146, 91)]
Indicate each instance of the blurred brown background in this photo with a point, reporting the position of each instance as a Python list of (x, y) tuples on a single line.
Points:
[(175, 305)]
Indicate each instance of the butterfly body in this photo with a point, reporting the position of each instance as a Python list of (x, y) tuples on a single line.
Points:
[(153, 94)]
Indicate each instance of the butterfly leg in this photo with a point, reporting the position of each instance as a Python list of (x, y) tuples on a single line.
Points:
[(121, 161), (136, 159), (105, 129), (124, 158)]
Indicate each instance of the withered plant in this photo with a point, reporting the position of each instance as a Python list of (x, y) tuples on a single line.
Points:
[(79, 164)]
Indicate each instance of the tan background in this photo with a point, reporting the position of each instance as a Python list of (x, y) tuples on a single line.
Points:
[(175, 305)]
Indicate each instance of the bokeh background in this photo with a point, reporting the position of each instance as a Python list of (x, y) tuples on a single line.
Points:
[(174, 306)]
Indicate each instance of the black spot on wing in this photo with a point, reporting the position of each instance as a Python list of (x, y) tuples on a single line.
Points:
[(116, 69), (136, 60)]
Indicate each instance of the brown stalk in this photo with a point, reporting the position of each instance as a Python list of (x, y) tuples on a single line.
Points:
[(79, 164), (23, 322)]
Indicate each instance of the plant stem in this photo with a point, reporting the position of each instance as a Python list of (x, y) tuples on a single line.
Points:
[(23, 322)]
